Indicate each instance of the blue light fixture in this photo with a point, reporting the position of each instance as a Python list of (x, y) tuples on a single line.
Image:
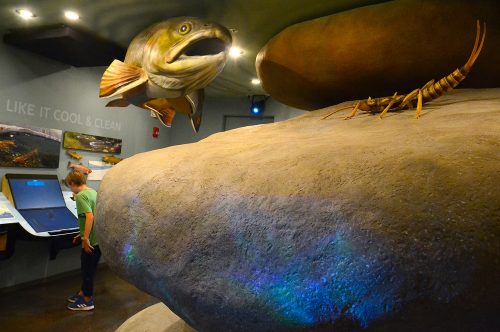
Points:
[(257, 105)]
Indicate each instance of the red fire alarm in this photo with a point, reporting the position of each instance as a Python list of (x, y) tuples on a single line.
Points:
[(156, 131)]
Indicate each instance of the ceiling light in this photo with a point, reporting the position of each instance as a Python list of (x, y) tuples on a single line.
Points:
[(71, 15), (25, 13), (255, 81), (235, 52)]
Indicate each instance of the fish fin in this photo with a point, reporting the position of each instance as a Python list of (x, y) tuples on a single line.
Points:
[(163, 110), (166, 117), (122, 102), (180, 105), (120, 77), (196, 122), (196, 100), (191, 105)]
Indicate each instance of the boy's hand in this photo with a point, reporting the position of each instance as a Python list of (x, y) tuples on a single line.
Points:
[(87, 247), (77, 239)]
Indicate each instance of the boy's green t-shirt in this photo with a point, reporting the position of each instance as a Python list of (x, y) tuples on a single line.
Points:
[(85, 202)]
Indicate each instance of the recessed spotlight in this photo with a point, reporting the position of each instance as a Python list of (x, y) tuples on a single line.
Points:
[(25, 13), (71, 15), (235, 52), (255, 81)]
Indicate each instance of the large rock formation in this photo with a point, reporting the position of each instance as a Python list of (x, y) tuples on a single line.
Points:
[(311, 224), (378, 50)]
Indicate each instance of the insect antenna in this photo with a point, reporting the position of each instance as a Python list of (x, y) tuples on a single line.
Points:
[(477, 49)]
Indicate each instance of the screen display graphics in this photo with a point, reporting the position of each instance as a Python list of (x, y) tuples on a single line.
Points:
[(36, 193)]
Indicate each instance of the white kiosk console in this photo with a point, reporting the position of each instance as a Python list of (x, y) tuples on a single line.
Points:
[(39, 206)]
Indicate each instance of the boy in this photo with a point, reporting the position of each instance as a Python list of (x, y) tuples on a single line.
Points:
[(85, 198)]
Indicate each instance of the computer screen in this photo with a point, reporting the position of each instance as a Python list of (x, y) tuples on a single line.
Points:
[(47, 220), (36, 193)]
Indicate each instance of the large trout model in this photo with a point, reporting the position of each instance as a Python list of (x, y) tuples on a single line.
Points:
[(166, 68)]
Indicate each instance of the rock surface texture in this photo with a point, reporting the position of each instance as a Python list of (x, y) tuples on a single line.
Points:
[(156, 318), (377, 50), (311, 224)]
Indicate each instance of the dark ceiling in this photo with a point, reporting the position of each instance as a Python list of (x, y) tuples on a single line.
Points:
[(255, 21)]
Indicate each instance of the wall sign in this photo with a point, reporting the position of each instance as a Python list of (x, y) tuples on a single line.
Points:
[(28, 109)]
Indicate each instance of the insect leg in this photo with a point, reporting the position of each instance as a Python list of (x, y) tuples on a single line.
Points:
[(419, 104), (409, 97), (332, 113), (393, 100), (428, 84), (354, 111)]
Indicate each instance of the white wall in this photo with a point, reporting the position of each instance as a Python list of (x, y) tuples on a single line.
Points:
[(213, 117), (33, 80), (30, 79), (52, 90)]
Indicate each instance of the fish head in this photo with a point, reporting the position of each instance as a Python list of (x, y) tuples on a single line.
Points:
[(185, 53)]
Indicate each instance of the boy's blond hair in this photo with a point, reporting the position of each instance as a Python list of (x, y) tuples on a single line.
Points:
[(76, 178)]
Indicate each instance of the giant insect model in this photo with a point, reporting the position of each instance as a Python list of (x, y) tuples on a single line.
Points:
[(428, 92)]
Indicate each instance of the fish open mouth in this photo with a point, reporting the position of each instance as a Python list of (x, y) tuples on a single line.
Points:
[(203, 47)]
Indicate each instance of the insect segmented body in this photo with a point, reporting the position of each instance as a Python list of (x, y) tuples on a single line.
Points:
[(428, 92)]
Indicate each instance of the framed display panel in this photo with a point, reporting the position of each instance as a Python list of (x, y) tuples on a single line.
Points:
[(93, 143), (29, 147)]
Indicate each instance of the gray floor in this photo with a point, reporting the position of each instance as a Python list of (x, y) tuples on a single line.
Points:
[(43, 307)]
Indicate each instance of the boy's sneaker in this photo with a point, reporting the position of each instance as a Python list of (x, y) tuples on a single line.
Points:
[(81, 305), (73, 298)]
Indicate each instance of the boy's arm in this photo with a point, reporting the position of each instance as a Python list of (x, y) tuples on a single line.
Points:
[(89, 221)]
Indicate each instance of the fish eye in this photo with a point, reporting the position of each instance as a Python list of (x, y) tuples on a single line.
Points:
[(185, 28)]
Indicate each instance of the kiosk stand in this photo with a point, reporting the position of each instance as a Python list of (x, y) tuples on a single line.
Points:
[(9, 225), (7, 229), (38, 205)]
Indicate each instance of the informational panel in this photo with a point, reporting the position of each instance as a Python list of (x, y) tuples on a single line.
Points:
[(29, 147), (99, 169), (5, 212), (238, 121), (93, 143), (8, 214)]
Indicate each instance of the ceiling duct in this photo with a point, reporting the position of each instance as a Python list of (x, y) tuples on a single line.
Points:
[(66, 44)]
